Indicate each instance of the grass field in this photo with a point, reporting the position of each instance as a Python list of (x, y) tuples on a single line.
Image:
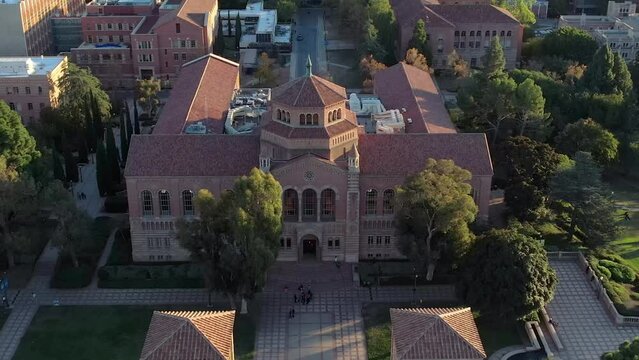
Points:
[(105, 332), (626, 194), (494, 335)]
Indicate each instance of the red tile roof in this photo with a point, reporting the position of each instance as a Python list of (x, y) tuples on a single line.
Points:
[(435, 333), (202, 92), (147, 24), (286, 131), (192, 155), (405, 86), (189, 335), (194, 10), (309, 91), (402, 154)]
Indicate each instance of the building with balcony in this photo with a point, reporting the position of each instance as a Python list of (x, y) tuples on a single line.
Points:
[(465, 28), (338, 177), (26, 26), (29, 85), (140, 39)]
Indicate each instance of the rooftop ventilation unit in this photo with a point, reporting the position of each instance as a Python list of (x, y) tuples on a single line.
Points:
[(196, 129)]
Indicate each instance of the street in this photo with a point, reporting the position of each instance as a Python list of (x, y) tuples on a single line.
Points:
[(310, 24)]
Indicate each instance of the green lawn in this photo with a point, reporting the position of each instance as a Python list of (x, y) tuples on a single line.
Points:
[(626, 194), (494, 335), (106, 332)]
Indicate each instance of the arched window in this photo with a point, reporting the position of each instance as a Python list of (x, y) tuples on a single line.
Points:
[(456, 33), (509, 33), (463, 33), (494, 33), (327, 205), (487, 33), (315, 119), (288, 117), (302, 119), (165, 203), (389, 201), (339, 113), (147, 203), (371, 202), (309, 119), (502, 33), (187, 203), (290, 205), (279, 114), (472, 33), (309, 205)]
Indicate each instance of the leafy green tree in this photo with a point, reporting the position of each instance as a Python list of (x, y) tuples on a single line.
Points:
[(629, 350), (494, 60), (89, 128), (570, 43), (606, 74), (264, 73), (371, 45), (112, 155), (434, 208), (623, 79), (75, 86), (102, 170), (520, 9), (588, 202), (18, 210), (219, 46), (236, 238), (147, 94), (72, 232), (529, 102), (381, 13), (507, 275), (238, 31), (129, 123), (419, 40), (70, 165), (529, 165), (17, 146), (286, 9), (413, 57), (96, 115), (588, 136), (136, 120)]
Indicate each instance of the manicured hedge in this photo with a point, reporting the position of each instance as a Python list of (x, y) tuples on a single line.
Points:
[(619, 272), (150, 276)]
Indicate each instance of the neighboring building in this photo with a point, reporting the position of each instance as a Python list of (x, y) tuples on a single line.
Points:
[(540, 9), (338, 179), (139, 39), (26, 29), (30, 84), (435, 334), (465, 28), (67, 33), (619, 29), (190, 335), (259, 26)]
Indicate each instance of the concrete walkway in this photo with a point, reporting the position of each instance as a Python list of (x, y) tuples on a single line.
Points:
[(583, 325)]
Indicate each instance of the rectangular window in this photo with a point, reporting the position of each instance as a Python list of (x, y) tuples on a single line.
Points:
[(110, 38), (336, 243), (158, 243), (98, 27), (177, 28), (288, 243), (462, 45), (151, 257), (109, 26), (12, 106), (30, 106), (27, 90), (119, 26), (183, 43), (16, 90), (160, 257), (477, 44), (330, 243), (144, 45), (370, 239), (281, 242), (192, 43), (387, 240), (167, 243), (456, 44), (378, 240), (183, 56), (176, 56)]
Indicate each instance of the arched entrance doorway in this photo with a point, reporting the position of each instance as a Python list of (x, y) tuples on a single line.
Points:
[(310, 249)]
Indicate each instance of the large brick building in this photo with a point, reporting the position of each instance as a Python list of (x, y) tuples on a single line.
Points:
[(337, 173), (464, 26), (25, 25), (135, 39)]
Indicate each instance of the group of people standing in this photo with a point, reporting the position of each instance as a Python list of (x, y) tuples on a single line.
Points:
[(304, 297)]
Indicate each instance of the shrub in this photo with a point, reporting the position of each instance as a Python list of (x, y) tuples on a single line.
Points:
[(151, 276), (604, 271), (618, 294), (68, 277), (619, 272)]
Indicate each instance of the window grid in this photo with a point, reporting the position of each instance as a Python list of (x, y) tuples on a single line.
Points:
[(389, 201), (147, 203), (165, 203), (371, 202), (187, 203), (310, 204)]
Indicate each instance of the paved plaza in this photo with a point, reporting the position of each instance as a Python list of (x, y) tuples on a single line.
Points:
[(584, 327), (311, 336)]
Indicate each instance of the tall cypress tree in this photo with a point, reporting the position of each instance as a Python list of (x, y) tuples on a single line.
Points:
[(89, 126), (112, 155), (136, 119), (124, 144), (70, 166), (97, 119), (494, 60), (58, 170), (102, 170), (219, 42), (129, 123), (238, 31)]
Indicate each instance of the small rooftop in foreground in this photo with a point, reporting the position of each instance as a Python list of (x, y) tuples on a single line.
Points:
[(28, 66), (120, 2)]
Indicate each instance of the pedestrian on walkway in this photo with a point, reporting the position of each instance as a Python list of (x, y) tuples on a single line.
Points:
[(292, 312), (295, 298)]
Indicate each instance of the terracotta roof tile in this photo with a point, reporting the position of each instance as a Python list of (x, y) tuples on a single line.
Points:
[(435, 333), (189, 335), (405, 86), (192, 155), (202, 92), (393, 154), (309, 91), (286, 131)]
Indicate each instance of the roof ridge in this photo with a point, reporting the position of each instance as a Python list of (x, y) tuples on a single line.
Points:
[(427, 6), (457, 333), (422, 332), (413, 96), (195, 96), (168, 335), (209, 341), (299, 92)]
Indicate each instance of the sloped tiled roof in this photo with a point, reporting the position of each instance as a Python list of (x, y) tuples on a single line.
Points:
[(192, 11), (192, 155), (404, 86), (405, 154), (189, 335), (202, 92), (309, 91), (296, 132), (435, 334)]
